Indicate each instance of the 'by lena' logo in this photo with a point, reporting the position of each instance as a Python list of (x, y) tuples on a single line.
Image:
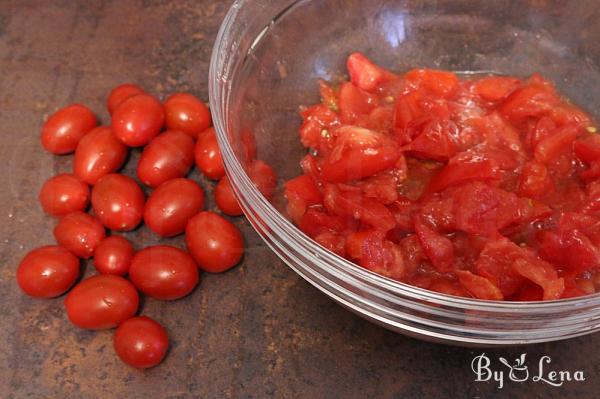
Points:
[(520, 372)]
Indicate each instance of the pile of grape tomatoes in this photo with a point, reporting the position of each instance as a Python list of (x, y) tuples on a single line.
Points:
[(486, 187), (174, 135)]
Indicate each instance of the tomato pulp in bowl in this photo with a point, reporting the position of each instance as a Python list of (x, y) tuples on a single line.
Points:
[(266, 59)]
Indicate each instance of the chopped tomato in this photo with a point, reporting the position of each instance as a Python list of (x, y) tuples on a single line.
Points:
[(496, 88), (559, 141), (350, 202), (354, 102), (588, 148), (315, 131), (535, 180), (479, 287), (359, 153), (528, 101), (375, 253), (364, 74), (440, 83), (301, 192), (542, 274), (438, 141), (461, 170), (485, 188), (439, 249)]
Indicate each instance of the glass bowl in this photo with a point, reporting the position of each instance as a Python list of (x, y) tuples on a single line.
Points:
[(266, 61)]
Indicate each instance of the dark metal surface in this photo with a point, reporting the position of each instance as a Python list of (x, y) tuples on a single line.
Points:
[(256, 331)]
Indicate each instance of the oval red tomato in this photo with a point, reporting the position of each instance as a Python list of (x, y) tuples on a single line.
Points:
[(98, 153), (120, 94), (113, 255), (171, 205), (141, 342), (47, 272), (63, 129), (138, 119), (80, 233), (214, 242), (63, 194), (164, 272), (208, 155), (263, 176), (118, 202), (187, 113), (225, 198), (167, 156), (101, 302)]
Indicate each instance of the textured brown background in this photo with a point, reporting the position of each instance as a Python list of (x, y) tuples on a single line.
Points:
[(256, 331)]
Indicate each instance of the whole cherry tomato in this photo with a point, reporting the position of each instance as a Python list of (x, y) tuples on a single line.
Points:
[(214, 242), (171, 205), (263, 177), (208, 155), (102, 302), (118, 202), (63, 194), (98, 153), (80, 233), (187, 113), (225, 198), (138, 119), (141, 342), (113, 255), (63, 129), (167, 156), (120, 94), (47, 272), (164, 272)]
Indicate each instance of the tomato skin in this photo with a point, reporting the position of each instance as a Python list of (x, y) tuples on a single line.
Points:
[(168, 156), (138, 119), (263, 176), (120, 94), (187, 113), (118, 202), (47, 272), (164, 272), (214, 242), (101, 302), (64, 129), (226, 199), (208, 155), (63, 194), (113, 256), (80, 233), (99, 153), (141, 342), (171, 205)]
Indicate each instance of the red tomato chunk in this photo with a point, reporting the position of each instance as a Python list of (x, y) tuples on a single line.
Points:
[(487, 187)]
